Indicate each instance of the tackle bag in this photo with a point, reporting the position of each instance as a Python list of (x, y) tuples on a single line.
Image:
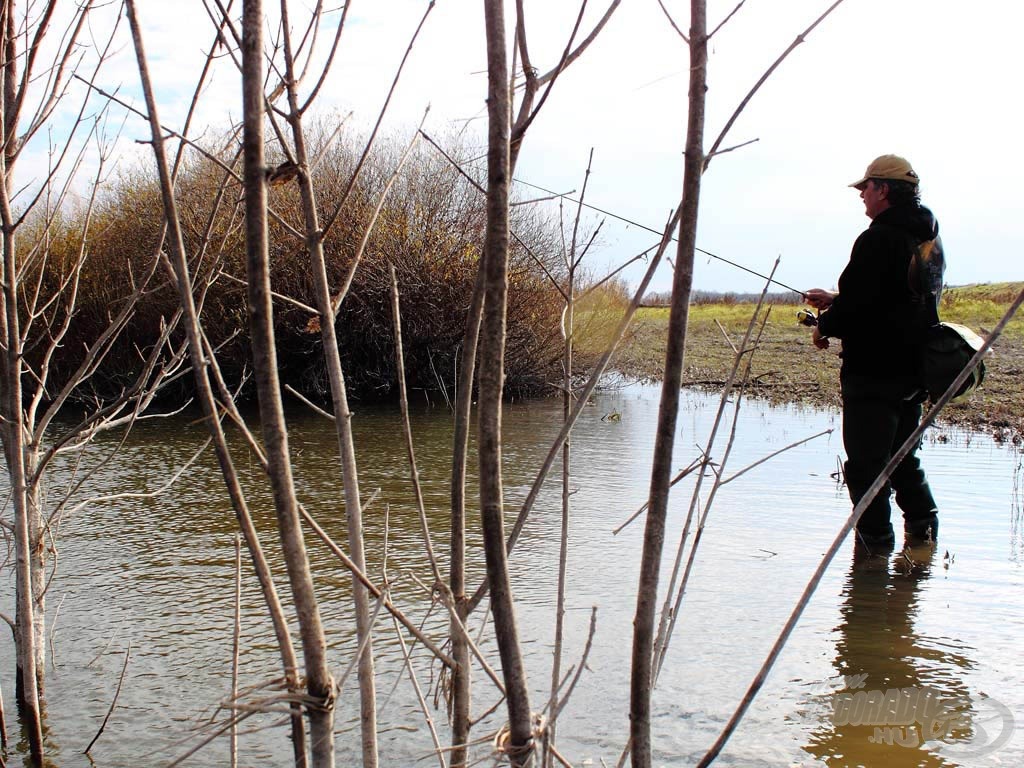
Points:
[(947, 349)]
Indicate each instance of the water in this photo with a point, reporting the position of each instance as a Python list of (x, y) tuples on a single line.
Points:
[(159, 573)]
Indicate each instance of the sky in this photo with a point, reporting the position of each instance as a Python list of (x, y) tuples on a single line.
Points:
[(934, 80)]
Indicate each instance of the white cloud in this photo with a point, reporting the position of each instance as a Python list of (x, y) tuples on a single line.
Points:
[(932, 79)]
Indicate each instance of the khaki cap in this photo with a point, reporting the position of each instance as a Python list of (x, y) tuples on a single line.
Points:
[(888, 167)]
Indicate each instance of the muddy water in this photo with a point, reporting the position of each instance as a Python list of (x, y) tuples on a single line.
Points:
[(941, 628)]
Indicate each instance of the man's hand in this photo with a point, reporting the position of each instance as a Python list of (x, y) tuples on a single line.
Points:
[(821, 342), (819, 298)]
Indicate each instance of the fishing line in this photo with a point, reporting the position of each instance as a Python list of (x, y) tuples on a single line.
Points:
[(657, 232)]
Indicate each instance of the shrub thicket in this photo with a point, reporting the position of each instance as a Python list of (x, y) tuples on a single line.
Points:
[(431, 228)]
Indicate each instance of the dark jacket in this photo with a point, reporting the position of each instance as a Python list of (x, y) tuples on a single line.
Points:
[(879, 318)]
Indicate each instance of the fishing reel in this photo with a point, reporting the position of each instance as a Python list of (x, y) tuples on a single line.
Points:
[(806, 317)]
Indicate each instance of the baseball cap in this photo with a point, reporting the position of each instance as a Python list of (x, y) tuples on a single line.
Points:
[(888, 167)]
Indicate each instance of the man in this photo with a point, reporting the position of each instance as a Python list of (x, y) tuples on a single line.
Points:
[(887, 297)]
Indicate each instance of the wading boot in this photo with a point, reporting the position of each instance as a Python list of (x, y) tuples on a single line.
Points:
[(875, 542), (923, 530)]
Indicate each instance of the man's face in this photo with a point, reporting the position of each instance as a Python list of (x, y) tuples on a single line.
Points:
[(875, 199)]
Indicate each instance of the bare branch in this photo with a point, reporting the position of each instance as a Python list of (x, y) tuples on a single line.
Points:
[(334, 49), (346, 282), (117, 693), (724, 21), (329, 221), (773, 454), (733, 148), (693, 465), (403, 402), (578, 51), (584, 395), (673, 22), (761, 81), (564, 699), (407, 658), (358, 574), (287, 299)]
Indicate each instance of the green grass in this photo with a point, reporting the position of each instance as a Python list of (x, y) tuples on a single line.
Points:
[(981, 306)]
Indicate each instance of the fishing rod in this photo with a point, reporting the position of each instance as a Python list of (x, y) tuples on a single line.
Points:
[(656, 232)]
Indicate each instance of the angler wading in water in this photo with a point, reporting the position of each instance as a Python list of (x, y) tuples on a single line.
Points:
[(885, 303)]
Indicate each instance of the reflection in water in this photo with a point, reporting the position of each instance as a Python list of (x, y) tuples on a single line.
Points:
[(1017, 517), (902, 693)]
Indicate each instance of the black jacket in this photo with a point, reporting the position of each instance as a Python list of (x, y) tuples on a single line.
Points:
[(879, 318)]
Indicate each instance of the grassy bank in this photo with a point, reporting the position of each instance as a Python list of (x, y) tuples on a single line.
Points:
[(787, 368)]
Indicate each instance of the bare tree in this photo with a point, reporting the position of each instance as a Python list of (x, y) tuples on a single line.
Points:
[(696, 161), (487, 316), (204, 366), (492, 351), (47, 307), (319, 683), (40, 308)]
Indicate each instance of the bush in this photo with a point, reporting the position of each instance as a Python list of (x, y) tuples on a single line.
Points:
[(431, 228)]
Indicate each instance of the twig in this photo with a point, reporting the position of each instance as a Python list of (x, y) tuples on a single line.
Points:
[(464, 633), (3, 728), (558, 756), (313, 406), (590, 289), (724, 21), (663, 623), (53, 627), (693, 465), (387, 544), (535, 200), (363, 579), (99, 655), (569, 57), (275, 294), (403, 399), (235, 645), (363, 644), (563, 700), (725, 335), (212, 737), (120, 681), (568, 333), (519, 241), (746, 99), (662, 651), (772, 455), (734, 147), (329, 221), (673, 22), (407, 658), (357, 257), (143, 494)]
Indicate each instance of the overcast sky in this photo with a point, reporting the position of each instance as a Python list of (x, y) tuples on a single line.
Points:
[(934, 80)]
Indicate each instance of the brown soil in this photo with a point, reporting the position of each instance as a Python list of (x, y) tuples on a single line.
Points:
[(787, 368)]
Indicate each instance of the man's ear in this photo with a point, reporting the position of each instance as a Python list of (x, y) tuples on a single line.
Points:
[(883, 189)]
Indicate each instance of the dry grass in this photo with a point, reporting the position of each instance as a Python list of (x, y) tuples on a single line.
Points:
[(430, 229)]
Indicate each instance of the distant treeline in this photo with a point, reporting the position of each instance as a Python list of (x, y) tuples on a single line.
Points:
[(664, 298), (996, 292), (431, 229)]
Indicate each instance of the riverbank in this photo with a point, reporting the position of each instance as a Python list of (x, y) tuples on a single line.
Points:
[(787, 368)]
